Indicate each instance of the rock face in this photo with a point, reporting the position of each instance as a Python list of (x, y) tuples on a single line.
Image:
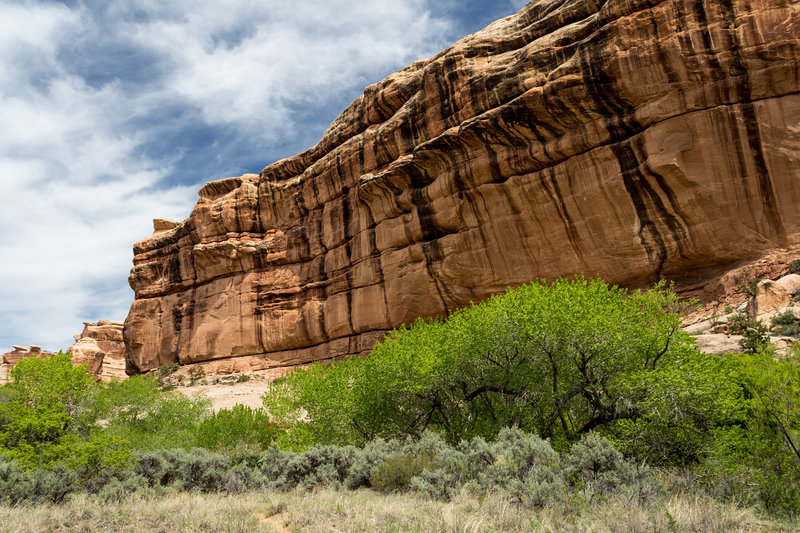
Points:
[(101, 346), (773, 296), (634, 139), (9, 359)]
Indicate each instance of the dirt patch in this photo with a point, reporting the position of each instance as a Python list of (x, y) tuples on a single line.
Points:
[(230, 391)]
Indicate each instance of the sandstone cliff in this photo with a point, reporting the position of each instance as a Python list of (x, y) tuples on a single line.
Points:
[(634, 139)]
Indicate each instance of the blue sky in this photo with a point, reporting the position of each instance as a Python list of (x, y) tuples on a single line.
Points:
[(115, 112)]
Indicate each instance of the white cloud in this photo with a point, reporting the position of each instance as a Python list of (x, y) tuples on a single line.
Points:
[(79, 180), (249, 64), (76, 200)]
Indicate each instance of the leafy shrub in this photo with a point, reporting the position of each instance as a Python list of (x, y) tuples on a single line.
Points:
[(785, 323), (740, 322), (521, 463), (188, 469), (366, 459), (196, 469), (240, 426), (395, 473), (794, 266), (18, 484), (138, 412), (755, 339), (793, 352), (595, 465), (319, 465), (754, 332), (749, 287), (240, 478), (163, 376), (119, 489), (196, 375)]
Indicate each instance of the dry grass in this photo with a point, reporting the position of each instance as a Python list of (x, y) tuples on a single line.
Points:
[(364, 510), (171, 513)]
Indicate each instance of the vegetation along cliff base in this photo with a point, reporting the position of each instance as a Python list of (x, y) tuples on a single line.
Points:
[(550, 404)]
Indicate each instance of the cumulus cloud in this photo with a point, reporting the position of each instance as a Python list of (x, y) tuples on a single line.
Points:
[(104, 104), (253, 64)]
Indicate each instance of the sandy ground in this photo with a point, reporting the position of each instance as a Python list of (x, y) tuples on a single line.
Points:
[(225, 395)]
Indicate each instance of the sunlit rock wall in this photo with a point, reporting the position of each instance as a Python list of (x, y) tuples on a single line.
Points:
[(632, 139)]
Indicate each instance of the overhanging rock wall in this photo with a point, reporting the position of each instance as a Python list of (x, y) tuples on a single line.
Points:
[(632, 139)]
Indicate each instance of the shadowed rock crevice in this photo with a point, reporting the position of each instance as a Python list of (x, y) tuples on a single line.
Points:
[(628, 139)]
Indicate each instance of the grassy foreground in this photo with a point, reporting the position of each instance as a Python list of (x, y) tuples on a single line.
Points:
[(368, 511)]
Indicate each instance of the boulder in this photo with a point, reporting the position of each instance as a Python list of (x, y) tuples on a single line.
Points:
[(773, 296), (790, 283)]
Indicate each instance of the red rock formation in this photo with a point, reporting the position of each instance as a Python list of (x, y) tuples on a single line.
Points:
[(9, 359), (101, 346), (634, 139)]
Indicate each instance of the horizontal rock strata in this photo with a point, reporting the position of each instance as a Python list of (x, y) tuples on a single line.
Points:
[(9, 359), (101, 346), (634, 139)]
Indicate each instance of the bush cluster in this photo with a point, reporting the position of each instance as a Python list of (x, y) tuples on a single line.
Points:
[(520, 464), (569, 390), (755, 337)]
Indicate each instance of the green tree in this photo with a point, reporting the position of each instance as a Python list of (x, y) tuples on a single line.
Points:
[(547, 358), (138, 412), (40, 404), (674, 413), (235, 428)]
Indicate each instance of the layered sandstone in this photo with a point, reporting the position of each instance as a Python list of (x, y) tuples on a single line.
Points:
[(9, 359), (634, 139), (101, 346)]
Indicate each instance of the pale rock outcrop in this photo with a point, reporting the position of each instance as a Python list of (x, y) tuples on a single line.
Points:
[(160, 225), (87, 351), (632, 139), (719, 343), (101, 346), (773, 296)]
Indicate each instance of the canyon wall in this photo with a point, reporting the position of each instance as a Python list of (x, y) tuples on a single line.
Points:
[(632, 139)]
